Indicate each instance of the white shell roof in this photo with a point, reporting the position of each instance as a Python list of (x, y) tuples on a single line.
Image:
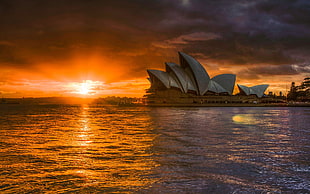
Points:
[(215, 87), (173, 82), (200, 75), (258, 90), (191, 75), (245, 89), (190, 86), (184, 81), (227, 81), (162, 76)]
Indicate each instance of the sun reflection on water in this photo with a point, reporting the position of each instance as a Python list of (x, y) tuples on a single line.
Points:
[(88, 149), (110, 151), (247, 119), (84, 134), (82, 148)]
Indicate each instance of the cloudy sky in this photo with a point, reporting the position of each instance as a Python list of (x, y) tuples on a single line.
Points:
[(101, 47)]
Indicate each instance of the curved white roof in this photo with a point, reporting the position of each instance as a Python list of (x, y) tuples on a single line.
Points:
[(199, 75), (258, 90), (190, 86), (215, 87), (191, 79), (227, 81), (162, 76), (244, 89), (173, 82), (191, 76), (184, 81)]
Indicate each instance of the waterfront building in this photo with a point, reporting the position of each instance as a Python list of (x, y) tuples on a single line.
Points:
[(189, 83), (301, 92)]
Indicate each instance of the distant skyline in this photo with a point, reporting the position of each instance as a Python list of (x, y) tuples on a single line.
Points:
[(99, 48)]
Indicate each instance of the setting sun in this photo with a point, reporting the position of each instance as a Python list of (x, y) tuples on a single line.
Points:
[(84, 88), (87, 87)]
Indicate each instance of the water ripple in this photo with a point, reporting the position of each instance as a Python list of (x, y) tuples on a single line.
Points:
[(86, 149)]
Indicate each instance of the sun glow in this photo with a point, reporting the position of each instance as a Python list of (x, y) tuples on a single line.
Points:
[(87, 87), (84, 88)]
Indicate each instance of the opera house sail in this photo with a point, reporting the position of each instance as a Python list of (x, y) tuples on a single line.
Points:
[(255, 90), (189, 83)]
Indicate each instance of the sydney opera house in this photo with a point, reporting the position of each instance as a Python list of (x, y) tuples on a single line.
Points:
[(190, 83)]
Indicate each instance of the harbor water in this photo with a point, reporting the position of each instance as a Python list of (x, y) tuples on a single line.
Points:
[(91, 149)]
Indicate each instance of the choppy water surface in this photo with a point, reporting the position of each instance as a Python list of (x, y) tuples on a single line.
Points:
[(85, 149)]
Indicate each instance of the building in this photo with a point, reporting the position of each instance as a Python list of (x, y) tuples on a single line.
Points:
[(300, 93), (189, 83), (258, 90)]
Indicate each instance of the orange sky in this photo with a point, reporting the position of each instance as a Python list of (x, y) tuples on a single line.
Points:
[(96, 48), (98, 77), (95, 74)]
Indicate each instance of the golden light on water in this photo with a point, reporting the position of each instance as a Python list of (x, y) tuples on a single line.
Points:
[(104, 152), (244, 119), (89, 146)]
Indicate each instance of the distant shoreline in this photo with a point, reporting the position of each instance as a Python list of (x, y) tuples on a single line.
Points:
[(121, 103), (164, 105), (232, 105)]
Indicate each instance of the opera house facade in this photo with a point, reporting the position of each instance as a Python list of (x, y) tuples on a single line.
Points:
[(190, 83)]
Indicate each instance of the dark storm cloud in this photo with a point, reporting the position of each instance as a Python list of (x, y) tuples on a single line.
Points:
[(278, 70), (45, 31), (254, 72), (241, 50), (251, 31), (147, 33)]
